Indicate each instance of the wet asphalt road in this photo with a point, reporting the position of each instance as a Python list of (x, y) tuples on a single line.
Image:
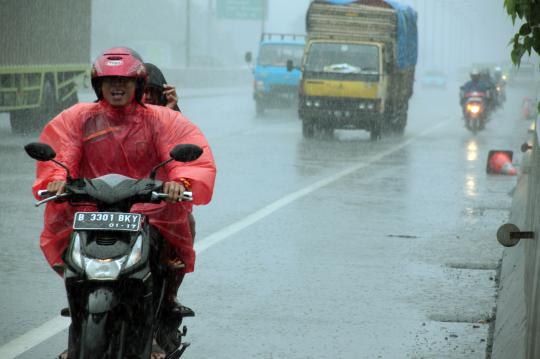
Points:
[(335, 247)]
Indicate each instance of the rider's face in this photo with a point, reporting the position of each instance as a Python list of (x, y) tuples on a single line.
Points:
[(118, 91)]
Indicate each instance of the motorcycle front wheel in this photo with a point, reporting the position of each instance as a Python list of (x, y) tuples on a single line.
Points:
[(95, 339)]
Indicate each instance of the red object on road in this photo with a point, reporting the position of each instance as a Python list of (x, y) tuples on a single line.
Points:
[(500, 162)]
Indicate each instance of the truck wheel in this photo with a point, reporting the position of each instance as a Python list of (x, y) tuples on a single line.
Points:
[(49, 105), (94, 339), (376, 131), (308, 128), (33, 120), (21, 121), (259, 108), (399, 126)]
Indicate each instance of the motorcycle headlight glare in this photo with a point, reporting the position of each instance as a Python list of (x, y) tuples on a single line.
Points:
[(136, 253), (104, 269)]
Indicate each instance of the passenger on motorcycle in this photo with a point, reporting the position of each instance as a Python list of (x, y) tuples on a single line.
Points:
[(120, 134), (157, 91)]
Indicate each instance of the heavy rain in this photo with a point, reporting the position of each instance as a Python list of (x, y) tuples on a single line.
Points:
[(367, 154)]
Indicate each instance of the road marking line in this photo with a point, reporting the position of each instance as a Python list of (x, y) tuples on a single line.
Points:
[(54, 326)]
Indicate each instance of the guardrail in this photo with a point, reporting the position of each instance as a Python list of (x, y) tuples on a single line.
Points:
[(194, 77), (517, 325)]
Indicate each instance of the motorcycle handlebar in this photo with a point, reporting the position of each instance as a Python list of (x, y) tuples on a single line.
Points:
[(186, 196), (156, 196)]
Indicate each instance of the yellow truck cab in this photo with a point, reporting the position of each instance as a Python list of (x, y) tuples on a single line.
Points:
[(353, 74)]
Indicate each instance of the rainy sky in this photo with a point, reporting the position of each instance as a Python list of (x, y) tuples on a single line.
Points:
[(452, 33)]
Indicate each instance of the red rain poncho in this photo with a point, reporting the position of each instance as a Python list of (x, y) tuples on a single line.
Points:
[(95, 139)]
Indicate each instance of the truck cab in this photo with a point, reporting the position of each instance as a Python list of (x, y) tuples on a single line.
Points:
[(344, 81), (273, 85)]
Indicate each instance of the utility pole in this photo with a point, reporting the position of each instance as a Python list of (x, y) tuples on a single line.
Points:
[(210, 31), (263, 15), (188, 33)]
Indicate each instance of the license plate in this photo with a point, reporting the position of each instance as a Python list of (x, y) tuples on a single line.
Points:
[(103, 221)]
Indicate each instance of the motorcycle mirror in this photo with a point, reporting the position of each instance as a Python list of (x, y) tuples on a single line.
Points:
[(186, 152), (180, 153), (40, 151)]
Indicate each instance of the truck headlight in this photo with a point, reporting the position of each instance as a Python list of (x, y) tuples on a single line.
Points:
[(371, 106), (259, 85), (309, 103), (317, 104), (362, 106)]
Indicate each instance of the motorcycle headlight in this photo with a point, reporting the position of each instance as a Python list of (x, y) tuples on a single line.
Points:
[(103, 269), (136, 253), (76, 255)]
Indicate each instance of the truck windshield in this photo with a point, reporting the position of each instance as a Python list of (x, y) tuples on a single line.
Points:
[(343, 58), (278, 54)]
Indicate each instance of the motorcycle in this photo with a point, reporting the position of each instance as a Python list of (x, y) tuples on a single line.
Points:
[(475, 110), (114, 278), (500, 88), (527, 109)]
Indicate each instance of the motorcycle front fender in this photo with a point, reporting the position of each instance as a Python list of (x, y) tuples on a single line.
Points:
[(102, 300)]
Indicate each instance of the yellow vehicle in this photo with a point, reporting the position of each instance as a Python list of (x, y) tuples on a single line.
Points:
[(45, 57), (358, 67)]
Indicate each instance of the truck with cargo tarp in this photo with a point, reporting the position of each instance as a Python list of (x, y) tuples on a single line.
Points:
[(358, 67), (45, 57)]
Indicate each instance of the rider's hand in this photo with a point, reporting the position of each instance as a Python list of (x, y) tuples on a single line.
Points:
[(57, 187), (170, 94), (174, 190)]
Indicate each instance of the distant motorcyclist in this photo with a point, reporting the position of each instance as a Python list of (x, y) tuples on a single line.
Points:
[(498, 74), (493, 98), (476, 84), (500, 84)]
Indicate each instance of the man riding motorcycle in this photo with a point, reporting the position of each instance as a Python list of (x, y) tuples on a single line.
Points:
[(476, 84), (120, 134), (500, 83)]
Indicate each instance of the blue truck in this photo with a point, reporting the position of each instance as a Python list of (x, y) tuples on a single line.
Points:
[(273, 85)]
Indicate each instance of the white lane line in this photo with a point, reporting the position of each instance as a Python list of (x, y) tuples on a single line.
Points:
[(33, 337), (253, 218), (42, 333)]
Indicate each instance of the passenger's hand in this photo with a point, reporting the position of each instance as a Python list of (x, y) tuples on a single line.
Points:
[(170, 94), (57, 187), (174, 190)]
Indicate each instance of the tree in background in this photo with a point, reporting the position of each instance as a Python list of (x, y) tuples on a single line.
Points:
[(527, 39)]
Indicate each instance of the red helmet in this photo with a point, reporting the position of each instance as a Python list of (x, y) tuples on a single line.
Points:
[(119, 61)]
